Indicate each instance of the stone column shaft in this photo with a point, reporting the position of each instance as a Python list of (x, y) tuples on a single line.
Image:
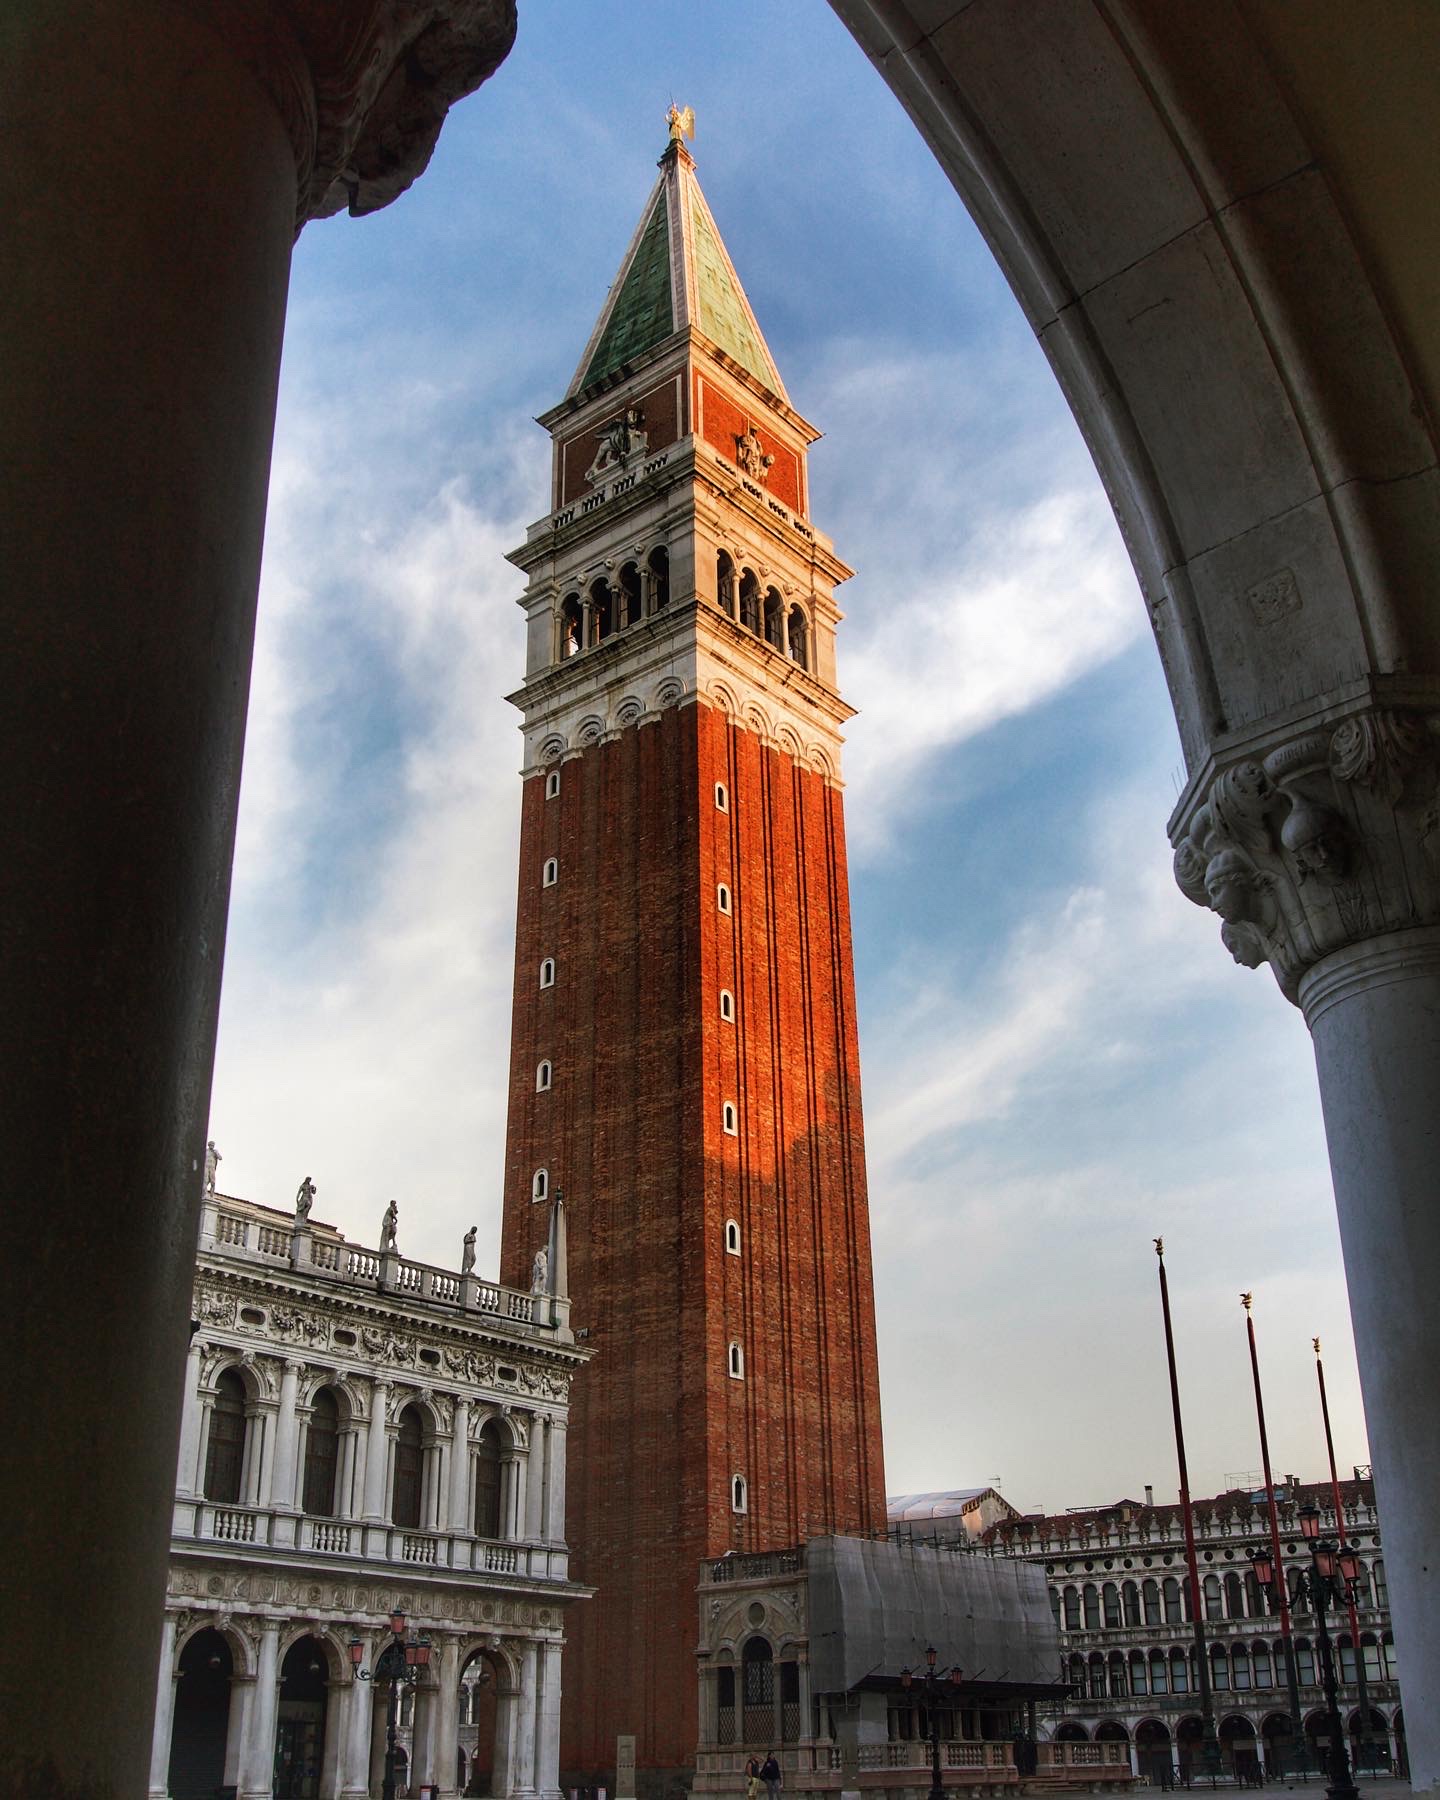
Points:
[(555, 1482), (447, 1727), (191, 1419), (376, 1452), (355, 1757), (461, 1518), (257, 1758), (522, 1772), (547, 1731), (535, 1485), (287, 1432), (164, 1713)]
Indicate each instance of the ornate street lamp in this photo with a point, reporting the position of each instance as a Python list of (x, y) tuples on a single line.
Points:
[(1326, 1582), (402, 1662), (933, 1687)]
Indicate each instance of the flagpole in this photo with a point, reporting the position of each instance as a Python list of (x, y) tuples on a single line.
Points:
[(1210, 1745), (1282, 1587), (1340, 1535)]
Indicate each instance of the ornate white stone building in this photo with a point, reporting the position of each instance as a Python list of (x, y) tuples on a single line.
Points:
[(363, 1435)]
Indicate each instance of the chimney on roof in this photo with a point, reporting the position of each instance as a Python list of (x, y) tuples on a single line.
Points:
[(1149, 1494)]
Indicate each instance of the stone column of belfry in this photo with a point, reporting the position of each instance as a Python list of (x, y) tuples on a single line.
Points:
[(1322, 857), (702, 1115), (158, 161)]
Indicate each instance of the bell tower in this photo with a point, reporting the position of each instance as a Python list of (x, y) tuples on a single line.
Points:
[(684, 1055)]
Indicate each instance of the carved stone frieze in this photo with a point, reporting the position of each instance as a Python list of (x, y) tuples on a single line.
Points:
[(1326, 839), (362, 86)]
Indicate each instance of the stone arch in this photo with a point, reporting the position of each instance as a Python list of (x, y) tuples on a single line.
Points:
[(669, 691), (589, 731), (242, 1650), (628, 711), (723, 696)]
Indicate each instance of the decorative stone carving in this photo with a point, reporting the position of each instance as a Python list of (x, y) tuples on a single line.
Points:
[(294, 1325), (622, 440), (751, 457), (362, 86), (213, 1308), (1330, 839)]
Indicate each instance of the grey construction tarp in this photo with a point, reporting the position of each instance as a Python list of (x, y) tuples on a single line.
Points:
[(875, 1606)]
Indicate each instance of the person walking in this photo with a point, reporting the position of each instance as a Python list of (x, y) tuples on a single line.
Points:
[(770, 1775), (752, 1778)]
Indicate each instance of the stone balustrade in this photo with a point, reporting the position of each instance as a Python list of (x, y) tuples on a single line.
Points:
[(987, 1764)]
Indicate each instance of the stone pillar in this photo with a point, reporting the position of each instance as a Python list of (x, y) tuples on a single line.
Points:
[(157, 163), (257, 1758), (188, 1472), (423, 1733), (535, 1482), (522, 1771), (355, 1755), (376, 1452), (547, 1728), (520, 1499), (1324, 861), (164, 1713), (287, 1431), (461, 1517), (447, 1724), (555, 1482)]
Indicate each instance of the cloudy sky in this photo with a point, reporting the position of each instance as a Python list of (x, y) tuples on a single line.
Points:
[(1060, 1059)]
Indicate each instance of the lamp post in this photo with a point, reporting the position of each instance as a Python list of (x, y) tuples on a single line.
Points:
[(402, 1662), (934, 1686), (1326, 1582)]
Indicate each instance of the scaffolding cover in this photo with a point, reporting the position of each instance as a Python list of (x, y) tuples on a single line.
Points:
[(875, 1606)]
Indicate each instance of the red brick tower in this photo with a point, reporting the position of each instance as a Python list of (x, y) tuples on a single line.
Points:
[(684, 1061)]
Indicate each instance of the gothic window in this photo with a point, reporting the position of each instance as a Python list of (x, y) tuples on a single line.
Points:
[(799, 638), (722, 897), (774, 619), (544, 1074), (725, 1705), (727, 1006), (732, 1238), (631, 602), (322, 1444), (409, 1470), (487, 1482), (540, 1185), (728, 1119), (550, 874), (737, 1362), (750, 602), (601, 611), (725, 583), (739, 1498), (547, 972), (722, 797), (659, 567), (572, 626), (757, 1678), (225, 1448), (552, 784)]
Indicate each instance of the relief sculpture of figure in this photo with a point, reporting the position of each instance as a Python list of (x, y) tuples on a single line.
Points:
[(305, 1198), (467, 1255), (540, 1272), (388, 1227), (212, 1163)]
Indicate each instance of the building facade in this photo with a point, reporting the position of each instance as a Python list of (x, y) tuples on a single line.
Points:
[(364, 1435), (1118, 1588), (685, 1063)]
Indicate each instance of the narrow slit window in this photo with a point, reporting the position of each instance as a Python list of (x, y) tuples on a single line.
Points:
[(727, 1119), (540, 1185), (739, 1495), (552, 784), (722, 797), (732, 1238), (737, 1362), (727, 1006), (551, 872), (722, 897), (544, 1075), (547, 972)]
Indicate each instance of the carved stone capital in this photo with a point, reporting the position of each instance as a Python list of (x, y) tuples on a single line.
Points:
[(363, 86), (1320, 840)]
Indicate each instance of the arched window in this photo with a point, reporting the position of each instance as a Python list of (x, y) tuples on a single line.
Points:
[(1130, 1596), (1382, 1588), (722, 897), (1150, 1596), (1055, 1604), (547, 972), (732, 1238), (544, 1075), (601, 611), (550, 874), (1159, 1673), (1072, 1609), (1213, 1607), (1179, 1673), (1139, 1673), (406, 1496), (1119, 1686), (799, 635), (487, 1482), (774, 619), (659, 567), (540, 1185), (750, 602), (1174, 1614), (1110, 1600), (1239, 1666), (552, 784), (225, 1447), (757, 1665), (1096, 1674), (1234, 1595), (722, 797), (322, 1447), (725, 583), (1077, 1677), (632, 605), (1090, 1605), (728, 1121), (572, 626), (739, 1497), (736, 1361), (727, 1006), (1387, 1645), (1264, 1674), (1304, 1662), (1371, 1649)]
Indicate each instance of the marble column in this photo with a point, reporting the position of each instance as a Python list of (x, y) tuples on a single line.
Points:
[(547, 1724), (1323, 860), (376, 1452), (555, 1482), (164, 1713), (355, 1756), (287, 1431), (158, 161), (535, 1484), (461, 1517), (191, 1416), (257, 1758), (447, 1722), (522, 1770)]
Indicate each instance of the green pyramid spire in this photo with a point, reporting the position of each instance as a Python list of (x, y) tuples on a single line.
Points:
[(642, 315)]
